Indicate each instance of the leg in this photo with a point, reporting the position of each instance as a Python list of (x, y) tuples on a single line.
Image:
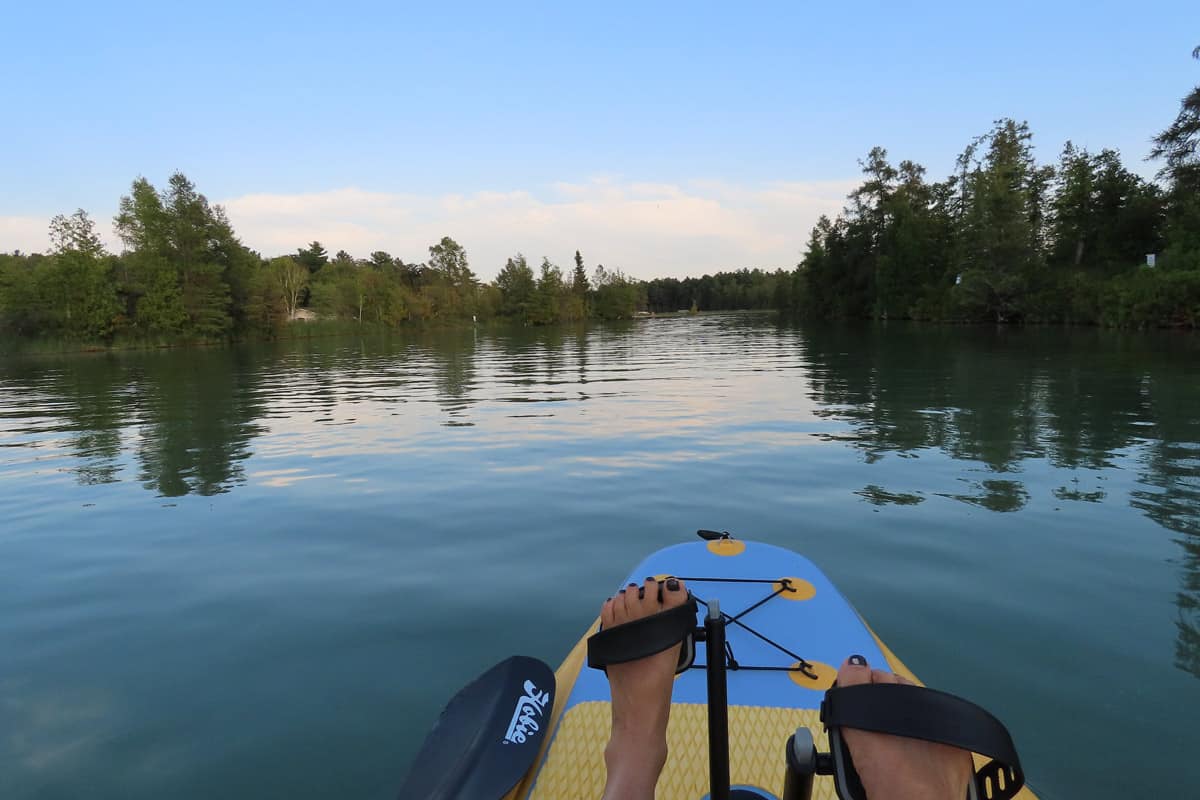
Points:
[(896, 767), (641, 696)]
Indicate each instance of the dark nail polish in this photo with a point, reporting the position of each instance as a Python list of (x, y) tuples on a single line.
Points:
[(632, 585), (858, 661), (621, 592), (641, 592), (672, 585), (649, 578)]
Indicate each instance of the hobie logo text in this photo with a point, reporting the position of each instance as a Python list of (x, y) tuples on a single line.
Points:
[(526, 715)]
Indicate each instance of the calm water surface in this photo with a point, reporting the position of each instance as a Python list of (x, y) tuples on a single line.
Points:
[(259, 572)]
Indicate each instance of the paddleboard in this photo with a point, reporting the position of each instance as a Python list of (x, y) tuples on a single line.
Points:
[(778, 623)]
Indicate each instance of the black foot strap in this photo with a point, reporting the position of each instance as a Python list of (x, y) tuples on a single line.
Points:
[(647, 636), (920, 713)]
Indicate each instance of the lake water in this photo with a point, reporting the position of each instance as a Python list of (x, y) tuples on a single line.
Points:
[(260, 572)]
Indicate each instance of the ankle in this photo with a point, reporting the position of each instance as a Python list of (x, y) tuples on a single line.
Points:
[(633, 766), (640, 752)]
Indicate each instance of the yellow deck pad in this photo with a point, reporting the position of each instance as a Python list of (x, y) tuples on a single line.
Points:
[(757, 737)]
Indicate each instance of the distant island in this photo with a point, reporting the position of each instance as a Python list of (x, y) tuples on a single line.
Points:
[(1004, 239)]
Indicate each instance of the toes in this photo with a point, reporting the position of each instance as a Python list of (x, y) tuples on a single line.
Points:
[(649, 592), (629, 595), (674, 593), (619, 607), (854, 671), (634, 601), (606, 613), (883, 676)]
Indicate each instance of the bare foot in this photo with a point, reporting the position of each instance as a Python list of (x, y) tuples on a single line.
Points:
[(641, 696), (899, 768)]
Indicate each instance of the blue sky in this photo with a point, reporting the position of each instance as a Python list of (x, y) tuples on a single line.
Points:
[(660, 137)]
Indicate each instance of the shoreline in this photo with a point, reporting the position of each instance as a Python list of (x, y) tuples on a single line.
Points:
[(330, 329)]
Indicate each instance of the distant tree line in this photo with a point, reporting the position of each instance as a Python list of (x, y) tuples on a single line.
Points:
[(184, 275), (1007, 239), (725, 291)]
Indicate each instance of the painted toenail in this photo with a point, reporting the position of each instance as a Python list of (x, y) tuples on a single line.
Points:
[(858, 661), (641, 592), (672, 585), (621, 592)]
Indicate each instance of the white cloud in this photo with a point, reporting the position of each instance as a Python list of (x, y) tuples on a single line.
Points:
[(27, 234), (646, 229)]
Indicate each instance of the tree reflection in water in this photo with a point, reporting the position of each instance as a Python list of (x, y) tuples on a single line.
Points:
[(1078, 398)]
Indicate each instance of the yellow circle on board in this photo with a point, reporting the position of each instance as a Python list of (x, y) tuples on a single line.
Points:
[(826, 675), (726, 547), (797, 589)]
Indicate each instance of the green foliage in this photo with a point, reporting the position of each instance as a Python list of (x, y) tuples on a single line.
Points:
[(18, 300), (386, 303), (1001, 211), (339, 290), (1179, 144), (76, 233), (543, 300), (579, 279), (450, 282), (1007, 240), (1104, 216), (517, 287), (182, 261), (78, 298), (550, 295), (724, 291), (263, 307), (288, 278), (160, 309), (986, 294), (184, 276), (69, 294), (73, 292), (548, 298), (1182, 226), (616, 296), (312, 257), (1153, 298)]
